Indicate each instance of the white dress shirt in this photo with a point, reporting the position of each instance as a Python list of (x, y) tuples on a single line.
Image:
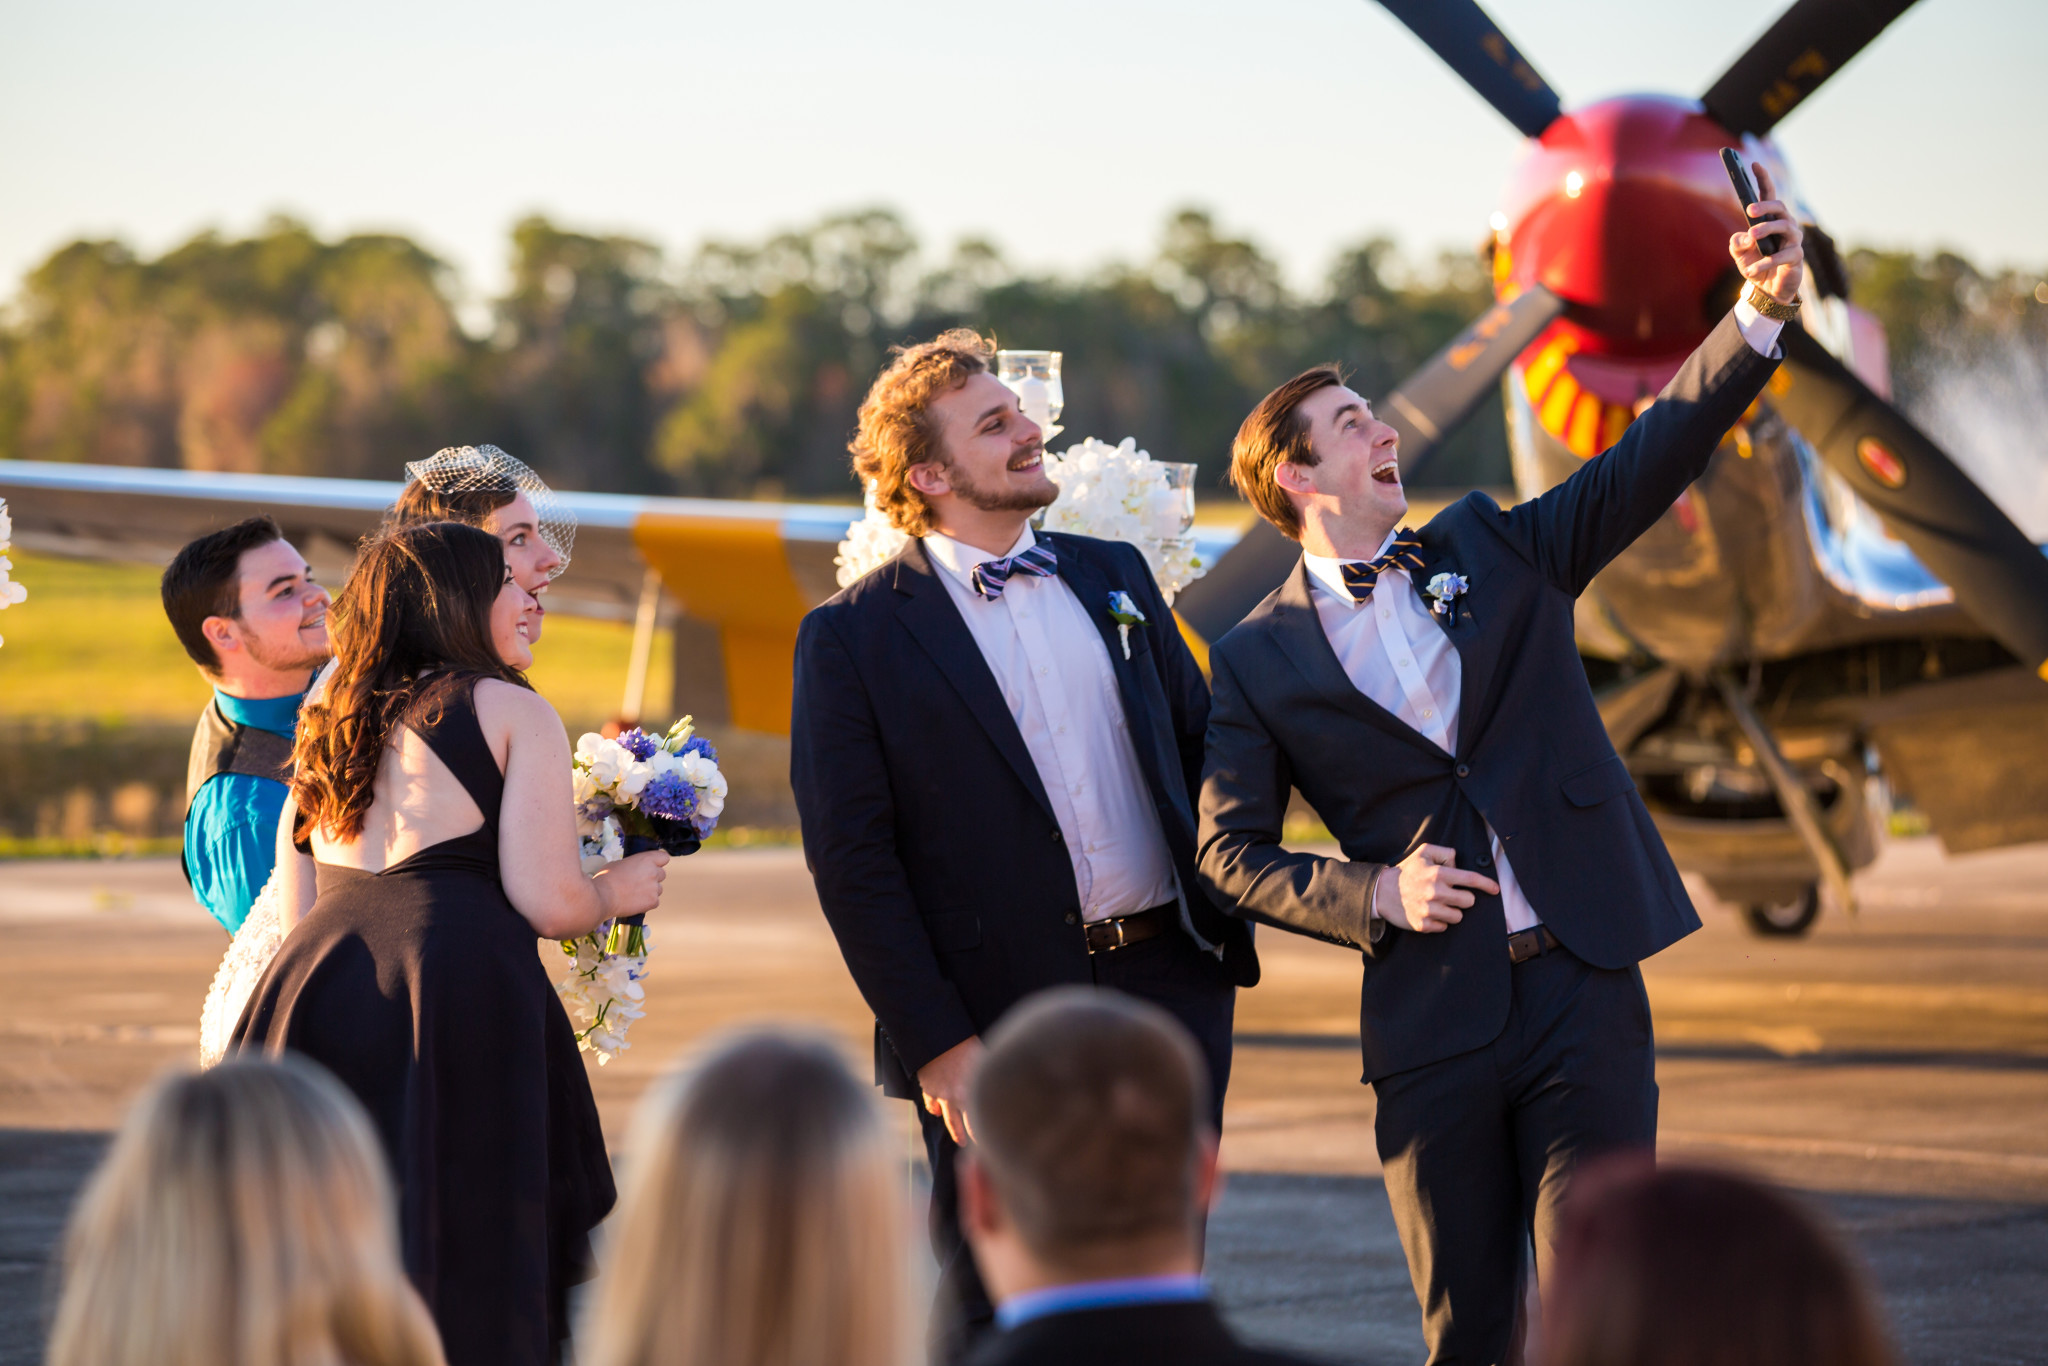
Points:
[(1395, 653), (1057, 680)]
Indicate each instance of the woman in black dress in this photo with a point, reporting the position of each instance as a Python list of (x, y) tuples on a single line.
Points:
[(435, 834)]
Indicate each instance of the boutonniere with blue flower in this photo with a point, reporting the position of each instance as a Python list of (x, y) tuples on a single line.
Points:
[(1443, 591), (1123, 610)]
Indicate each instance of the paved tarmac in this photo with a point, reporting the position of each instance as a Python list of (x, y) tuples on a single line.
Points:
[(1893, 1069)]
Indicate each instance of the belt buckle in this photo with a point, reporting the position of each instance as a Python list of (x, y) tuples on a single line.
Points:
[(1088, 936), (1524, 945)]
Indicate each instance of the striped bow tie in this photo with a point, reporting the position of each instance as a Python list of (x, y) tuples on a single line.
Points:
[(1361, 575), (990, 577)]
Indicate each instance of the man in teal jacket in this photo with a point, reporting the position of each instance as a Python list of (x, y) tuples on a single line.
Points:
[(246, 609)]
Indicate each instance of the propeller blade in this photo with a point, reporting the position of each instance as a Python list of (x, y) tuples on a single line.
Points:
[(1433, 402), (1472, 45), (1238, 582), (1810, 42), (1999, 576), (1427, 408)]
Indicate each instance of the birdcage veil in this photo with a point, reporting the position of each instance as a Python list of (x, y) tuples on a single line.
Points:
[(487, 469)]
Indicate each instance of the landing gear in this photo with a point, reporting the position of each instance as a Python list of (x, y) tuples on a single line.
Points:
[(1787, 919)]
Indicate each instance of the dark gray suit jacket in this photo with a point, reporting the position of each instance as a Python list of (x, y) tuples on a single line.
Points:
[(1533, 759)]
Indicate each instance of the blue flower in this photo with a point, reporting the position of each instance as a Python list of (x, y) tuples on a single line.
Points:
[(669, 796), (1123, 609), (697, 744), (639, 743)]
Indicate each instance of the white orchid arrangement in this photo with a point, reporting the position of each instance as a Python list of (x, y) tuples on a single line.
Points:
[(1120, 493), (633, 793), (1117, 493), (10, 591)]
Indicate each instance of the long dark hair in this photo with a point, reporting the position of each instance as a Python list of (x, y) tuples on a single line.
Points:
[(1687, 1266), (419, 603)]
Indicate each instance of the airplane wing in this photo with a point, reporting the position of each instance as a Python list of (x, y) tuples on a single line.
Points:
[(741, 574)]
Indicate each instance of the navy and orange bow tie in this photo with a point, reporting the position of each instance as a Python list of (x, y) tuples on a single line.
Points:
[(1361, 575), (990, 577)]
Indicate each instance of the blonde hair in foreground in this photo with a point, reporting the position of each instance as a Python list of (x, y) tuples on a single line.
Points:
[(241, 1218), (763, 1221)]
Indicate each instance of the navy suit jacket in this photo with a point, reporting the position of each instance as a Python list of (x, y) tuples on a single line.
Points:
[(937, 857), (1533, 759)]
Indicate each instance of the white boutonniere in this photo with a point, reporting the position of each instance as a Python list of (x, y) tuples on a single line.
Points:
[(1124, 612), (1443, 590)]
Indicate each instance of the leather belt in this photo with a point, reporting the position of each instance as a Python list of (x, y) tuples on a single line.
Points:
[(1107, 936), (1526, 944)]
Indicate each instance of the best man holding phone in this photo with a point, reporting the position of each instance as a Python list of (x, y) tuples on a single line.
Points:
[(1423, 691)]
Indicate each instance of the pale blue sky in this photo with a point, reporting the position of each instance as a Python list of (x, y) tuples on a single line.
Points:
[(1064, 130)]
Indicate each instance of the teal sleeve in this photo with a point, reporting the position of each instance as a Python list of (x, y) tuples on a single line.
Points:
[(231, 843)]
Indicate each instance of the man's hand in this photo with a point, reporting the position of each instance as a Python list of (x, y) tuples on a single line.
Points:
[(1427, 892), (1779, 274), (944, 1082)]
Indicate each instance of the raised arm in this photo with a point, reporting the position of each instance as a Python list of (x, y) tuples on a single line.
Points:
[(1573, 531), (843, 799), (539, 855)]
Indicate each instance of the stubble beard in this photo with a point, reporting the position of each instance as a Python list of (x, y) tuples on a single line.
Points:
[(1006, 499), (284, 660)]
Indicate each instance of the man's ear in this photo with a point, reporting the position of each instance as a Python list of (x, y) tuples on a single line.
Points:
[(929, 479), (1294, 478), (223, 633), (1208, 1175), (981, 1209)]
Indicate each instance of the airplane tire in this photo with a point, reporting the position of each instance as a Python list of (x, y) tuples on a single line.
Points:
[(1785, 919)]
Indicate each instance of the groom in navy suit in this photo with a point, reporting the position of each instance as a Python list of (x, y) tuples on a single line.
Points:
[(1501, 878), (996, 784)]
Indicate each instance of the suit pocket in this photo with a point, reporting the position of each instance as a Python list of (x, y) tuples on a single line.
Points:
[(954, 931), (1592, 786)]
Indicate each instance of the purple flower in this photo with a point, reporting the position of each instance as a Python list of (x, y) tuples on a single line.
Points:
[(697, 744), (639, 743), (670, 797), (596, 809)]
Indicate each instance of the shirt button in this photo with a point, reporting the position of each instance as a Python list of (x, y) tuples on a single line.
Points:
[(1043, 670), (1385, 614), (1407, 663), (1464, 771), (1427, 713), (1059, 730)]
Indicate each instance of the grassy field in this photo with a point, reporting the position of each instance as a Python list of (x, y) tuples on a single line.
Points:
[(91, 644)]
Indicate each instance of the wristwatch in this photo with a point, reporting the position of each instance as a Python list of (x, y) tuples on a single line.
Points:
[(1769, 307)]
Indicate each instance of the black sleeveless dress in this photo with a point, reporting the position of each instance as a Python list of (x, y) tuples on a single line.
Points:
[(420, 987)]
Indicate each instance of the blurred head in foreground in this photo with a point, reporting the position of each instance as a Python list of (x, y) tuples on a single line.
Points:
[(763, 1221), (483, 487), (1684, 1266), (1093, 1157), (242, 1218)]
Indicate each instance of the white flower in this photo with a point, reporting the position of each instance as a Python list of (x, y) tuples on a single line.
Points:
[(870, 543), (697, 770), (584, 785), (606, 760), (1120, 493), (637, 775)]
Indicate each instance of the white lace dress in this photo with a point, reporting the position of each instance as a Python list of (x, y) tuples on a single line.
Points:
[(254, 945)]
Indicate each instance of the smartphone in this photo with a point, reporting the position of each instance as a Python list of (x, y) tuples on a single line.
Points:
[(1738, 176)]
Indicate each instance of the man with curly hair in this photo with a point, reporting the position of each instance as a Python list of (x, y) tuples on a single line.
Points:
[(996, 797)]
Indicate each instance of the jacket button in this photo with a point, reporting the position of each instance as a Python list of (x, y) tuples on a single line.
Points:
[(1486, 860), (1463, 771), (1072, 917), (1055, 837)]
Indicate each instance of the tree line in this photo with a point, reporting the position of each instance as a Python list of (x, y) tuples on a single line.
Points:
[(736, 372)]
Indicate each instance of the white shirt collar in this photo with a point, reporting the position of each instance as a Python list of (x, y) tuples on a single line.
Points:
[(959, 559), (1328, 574)]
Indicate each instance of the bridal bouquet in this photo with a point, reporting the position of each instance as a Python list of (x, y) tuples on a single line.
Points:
[(635, 793)]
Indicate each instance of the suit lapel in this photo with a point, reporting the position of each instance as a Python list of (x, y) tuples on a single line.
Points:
[(1300, 633), (1092, 590), (927, 611), (1475, 671)]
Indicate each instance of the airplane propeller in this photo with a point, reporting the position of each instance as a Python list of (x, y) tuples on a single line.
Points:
[(1472, 45), (1810, 42), (1999, 576)]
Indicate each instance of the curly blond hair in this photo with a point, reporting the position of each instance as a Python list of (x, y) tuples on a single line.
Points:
[(896, 430)]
